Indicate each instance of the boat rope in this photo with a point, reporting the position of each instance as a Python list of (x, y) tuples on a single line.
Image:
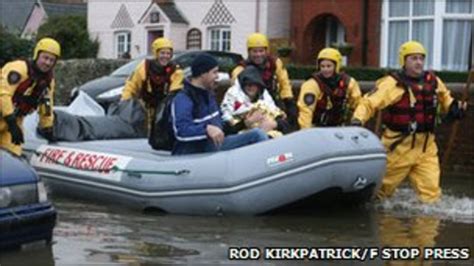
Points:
[(132, 172)]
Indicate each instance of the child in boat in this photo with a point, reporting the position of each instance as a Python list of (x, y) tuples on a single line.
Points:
[(248, 105)]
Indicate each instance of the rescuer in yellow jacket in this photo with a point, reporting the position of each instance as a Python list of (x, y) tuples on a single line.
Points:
[(154, 79), (411, 99), (26, 86), (273, 73), (325, 98)]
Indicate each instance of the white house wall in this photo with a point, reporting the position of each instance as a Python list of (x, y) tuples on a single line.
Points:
[(178, 33), (245, 14), (101, 14), (242, 11), (278, 18), (35, 20)]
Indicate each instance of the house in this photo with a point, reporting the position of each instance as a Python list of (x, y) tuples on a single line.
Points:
[(132, 25), (375, 29), (24, 17), (62, 9)]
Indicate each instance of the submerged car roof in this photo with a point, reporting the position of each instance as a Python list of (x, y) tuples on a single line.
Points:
[(184, 59), (14, 171)]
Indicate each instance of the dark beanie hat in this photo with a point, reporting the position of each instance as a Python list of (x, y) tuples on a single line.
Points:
[(202, 64)]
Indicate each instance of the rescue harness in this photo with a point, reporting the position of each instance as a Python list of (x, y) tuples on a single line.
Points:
[(32, 92), (157, 82), (331, 109), (409, 117)]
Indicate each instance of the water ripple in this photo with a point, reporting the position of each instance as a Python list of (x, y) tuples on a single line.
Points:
[(449, 207)]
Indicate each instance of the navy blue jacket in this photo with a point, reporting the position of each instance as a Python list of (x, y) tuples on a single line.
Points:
[(189, 122)]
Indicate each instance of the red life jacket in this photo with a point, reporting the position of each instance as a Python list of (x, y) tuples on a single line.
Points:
[(338, 96), (421, 117), (25, 104), (157, 82), (268, 74)]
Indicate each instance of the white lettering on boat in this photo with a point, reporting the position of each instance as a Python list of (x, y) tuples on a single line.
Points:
[(77, 161)]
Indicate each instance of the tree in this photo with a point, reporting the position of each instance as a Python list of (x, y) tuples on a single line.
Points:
[(13, 47), (71, 32)]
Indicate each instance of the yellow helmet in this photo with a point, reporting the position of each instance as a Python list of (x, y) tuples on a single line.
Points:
[(331, 54), (47, 45), (257, 40), (161, 43), (408, 48)]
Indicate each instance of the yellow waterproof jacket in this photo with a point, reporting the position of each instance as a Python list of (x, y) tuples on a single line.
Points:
[(135, 82), (282, 80), (8, 88), (311, 93), (387, 93)]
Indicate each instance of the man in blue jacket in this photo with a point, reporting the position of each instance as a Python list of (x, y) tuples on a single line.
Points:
[(196, 118)]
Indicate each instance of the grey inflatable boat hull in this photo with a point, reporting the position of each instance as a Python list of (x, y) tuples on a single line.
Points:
[(249, 180)]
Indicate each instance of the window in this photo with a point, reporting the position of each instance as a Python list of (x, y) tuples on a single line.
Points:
[(410, 19), (443, 27), (457, 34), (122, 43), (334, 31), (220, 39), (193, 40), (155, 17), (459, 6)]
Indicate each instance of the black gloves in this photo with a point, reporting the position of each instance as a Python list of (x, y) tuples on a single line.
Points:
[(356, 122), (47, 133), (291, 112), (15, 130), (455, 112), (282, 125), (230, 129)]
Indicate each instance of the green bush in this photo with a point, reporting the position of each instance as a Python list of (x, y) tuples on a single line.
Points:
[(13, 47), (451, 76), (369, 74), (284, 51), (71, 32)]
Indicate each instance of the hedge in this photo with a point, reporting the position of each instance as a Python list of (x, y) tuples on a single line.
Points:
[(75, 72), (370, 74), (12, 47)]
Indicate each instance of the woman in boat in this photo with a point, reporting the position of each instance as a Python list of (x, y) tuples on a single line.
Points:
[(248, 104)]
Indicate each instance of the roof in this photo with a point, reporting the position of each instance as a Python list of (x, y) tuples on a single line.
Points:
[(15, 13), (172, 13), (218, 14), (122, 19), (54, 9)]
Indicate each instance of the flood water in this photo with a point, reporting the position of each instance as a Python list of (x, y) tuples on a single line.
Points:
[(97, 234)]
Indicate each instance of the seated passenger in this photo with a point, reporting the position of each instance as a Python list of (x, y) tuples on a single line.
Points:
[(325, 100), (247, 104), (195, 116)]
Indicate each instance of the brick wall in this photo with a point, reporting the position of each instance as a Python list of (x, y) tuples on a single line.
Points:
[(461, 159), (310, 39)]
